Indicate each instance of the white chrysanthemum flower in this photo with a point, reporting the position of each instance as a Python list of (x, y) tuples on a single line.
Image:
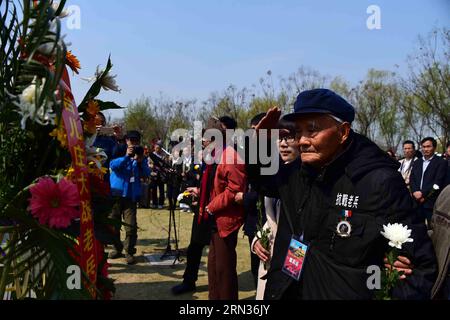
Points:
[(27, 106), (435, 187), (108, 81), (29, 94), (397, 234)]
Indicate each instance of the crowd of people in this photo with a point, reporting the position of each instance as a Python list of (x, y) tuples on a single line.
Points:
[(331, 196)]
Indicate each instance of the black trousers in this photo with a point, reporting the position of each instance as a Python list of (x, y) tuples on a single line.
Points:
[(126, 209), (155, 199), (173, 190), (426, 213), (254, 262), (200, 238)]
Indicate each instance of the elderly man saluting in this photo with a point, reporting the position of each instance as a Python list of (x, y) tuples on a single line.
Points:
[(333, 208)]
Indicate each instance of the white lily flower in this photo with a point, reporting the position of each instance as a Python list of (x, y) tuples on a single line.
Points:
[(259, 235), (397, 234)]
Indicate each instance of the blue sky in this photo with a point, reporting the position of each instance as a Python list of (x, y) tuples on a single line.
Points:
[(188, 49)]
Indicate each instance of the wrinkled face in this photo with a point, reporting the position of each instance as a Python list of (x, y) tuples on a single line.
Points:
[(288, 148), (408, 151), (428, 149), (320, 138)]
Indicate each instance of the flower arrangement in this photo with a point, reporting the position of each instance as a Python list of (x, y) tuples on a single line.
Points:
[(397, 235), (44, 195)]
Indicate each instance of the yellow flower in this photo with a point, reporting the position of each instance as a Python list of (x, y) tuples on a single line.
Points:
[(60, 134), (96, 171), (70, 174), (93, 108)]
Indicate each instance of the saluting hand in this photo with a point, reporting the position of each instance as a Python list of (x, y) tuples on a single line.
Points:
[(270, 120)]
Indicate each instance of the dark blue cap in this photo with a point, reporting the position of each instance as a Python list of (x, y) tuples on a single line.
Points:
[(133, 134), (322, 101)]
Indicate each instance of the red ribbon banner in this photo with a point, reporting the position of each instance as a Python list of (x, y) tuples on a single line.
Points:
[(74, 129)]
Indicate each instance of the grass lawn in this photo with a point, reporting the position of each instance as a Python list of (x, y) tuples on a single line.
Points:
[(146, 282)]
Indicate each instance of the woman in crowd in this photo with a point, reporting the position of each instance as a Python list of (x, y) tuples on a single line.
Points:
[(289, 153)]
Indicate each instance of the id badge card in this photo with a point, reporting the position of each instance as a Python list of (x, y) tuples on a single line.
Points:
[(295, 257), (132, 180)]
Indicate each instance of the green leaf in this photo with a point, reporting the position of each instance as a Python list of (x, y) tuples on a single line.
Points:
[(94, 90), (107, 105)]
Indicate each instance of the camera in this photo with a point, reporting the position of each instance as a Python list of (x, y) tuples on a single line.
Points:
[(105, 131)]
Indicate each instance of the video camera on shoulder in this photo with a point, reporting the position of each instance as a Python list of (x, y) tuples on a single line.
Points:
[(106, 131)]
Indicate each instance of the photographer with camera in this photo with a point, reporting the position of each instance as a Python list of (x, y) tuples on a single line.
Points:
[(126, 175), (158, 177)]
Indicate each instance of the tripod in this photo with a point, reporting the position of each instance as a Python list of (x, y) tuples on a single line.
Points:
[(169, 174), (169, 251)]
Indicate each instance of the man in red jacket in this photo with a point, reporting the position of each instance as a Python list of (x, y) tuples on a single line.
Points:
[(227, 217)]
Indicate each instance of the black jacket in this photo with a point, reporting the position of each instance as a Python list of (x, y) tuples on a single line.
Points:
[(336, 268), (436, 173), (250, 202)]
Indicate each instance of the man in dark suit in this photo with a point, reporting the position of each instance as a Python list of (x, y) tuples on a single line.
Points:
[(427, 173)]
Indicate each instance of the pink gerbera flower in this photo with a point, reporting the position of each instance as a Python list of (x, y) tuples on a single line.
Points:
[(54, 204)]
